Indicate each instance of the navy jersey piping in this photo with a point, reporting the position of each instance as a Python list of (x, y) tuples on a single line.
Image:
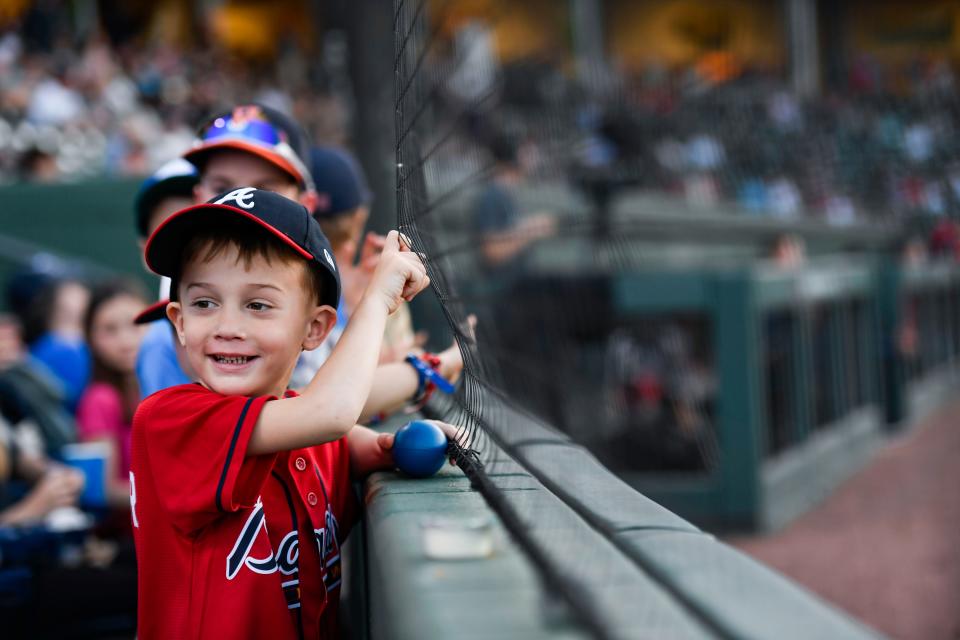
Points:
[(233, 445)]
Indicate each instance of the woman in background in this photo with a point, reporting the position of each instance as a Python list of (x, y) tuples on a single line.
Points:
[(105, 412)]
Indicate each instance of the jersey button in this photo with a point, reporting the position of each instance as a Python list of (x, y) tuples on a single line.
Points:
[(312, 499), (300, 464)]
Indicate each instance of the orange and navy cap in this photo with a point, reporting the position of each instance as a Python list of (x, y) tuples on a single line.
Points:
[(286, 220), (259, 130)]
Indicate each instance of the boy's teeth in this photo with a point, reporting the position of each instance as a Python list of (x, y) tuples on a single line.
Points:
[(232, 360)]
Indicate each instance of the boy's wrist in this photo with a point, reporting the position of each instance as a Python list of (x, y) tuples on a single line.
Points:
[(375, 301)]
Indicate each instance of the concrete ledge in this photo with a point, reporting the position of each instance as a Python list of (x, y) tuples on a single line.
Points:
[(807, 473), (647, 572)]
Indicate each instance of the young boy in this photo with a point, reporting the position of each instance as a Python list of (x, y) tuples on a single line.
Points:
[(238, 517), (258, 146), (247, 145)]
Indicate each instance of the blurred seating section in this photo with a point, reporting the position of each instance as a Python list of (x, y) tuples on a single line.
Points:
[(782, 291), (116, 89)]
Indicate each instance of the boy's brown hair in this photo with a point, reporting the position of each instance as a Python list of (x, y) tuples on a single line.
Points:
[(210, 241)]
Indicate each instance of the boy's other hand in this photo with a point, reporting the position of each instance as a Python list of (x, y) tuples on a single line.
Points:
[(400, 274)]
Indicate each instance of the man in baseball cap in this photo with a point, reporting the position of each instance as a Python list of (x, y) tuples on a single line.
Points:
[(252, 145)]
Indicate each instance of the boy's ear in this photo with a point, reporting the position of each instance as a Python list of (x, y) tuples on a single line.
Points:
[(322, 320), (175, 315)]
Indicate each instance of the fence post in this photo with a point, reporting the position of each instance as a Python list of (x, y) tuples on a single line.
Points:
[(740, 411), (893, 379)]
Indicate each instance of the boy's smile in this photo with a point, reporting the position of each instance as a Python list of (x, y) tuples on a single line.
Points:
[(244, 324)]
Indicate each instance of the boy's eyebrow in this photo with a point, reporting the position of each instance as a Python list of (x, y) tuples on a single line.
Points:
[(255, 285)]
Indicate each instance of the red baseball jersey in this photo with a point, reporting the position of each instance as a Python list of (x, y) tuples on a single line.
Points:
[(231, 546)]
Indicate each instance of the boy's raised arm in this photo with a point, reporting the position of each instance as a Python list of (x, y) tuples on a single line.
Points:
[(331, 404)]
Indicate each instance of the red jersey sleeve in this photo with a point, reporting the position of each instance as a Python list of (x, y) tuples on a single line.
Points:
[(196, 442)]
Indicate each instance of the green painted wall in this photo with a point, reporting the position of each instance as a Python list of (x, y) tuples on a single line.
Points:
[(91, 222)]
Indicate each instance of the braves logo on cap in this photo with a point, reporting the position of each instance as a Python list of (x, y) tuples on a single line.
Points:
[(243, 197)]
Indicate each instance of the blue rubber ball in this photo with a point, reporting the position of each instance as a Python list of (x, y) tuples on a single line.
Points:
[(419, 449)]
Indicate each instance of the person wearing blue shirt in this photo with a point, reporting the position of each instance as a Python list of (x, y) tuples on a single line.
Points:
[(162, 194), (157, 364)]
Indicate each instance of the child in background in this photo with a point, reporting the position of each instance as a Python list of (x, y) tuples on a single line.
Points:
[(106, 409), (159, 363), (342, 209), (54, 330)]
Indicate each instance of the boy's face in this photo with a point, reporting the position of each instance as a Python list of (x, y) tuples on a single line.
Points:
[(228, 169), (243, 328)]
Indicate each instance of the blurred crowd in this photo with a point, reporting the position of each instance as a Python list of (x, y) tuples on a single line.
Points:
[(72, 109), (67, 394), (858, 152), (877, 145), (878, 142)]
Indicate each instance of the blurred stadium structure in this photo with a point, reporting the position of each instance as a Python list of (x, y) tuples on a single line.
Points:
[(712, 242), (558, 197)]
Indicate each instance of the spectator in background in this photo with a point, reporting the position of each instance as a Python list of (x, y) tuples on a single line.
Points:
[(54, 333), (21, 457), (58, 487), (343, 200), (31, 398), (788, 251), (945, 240), (502, 232), (105, 413), (159, 364)]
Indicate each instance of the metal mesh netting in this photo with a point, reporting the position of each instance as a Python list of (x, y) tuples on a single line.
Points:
[(545, 365), (534, 185), (504, 199)]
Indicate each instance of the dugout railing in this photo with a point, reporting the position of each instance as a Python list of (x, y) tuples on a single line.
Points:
[(921, 327), (796, 358), (646, 572)]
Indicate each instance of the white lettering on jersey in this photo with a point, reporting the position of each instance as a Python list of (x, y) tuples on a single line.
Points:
[(285, 559), (240, 554), (133, 501), (242, 196)]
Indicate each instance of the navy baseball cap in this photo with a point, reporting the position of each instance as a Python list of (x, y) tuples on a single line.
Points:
[(288, 221), (262, 131), (339, 180), (175, 178)]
